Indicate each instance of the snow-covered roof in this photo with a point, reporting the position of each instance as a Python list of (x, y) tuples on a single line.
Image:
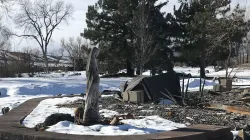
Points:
[(37, 59)]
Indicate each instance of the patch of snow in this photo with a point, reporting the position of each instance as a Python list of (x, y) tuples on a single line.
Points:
[(133, 128), (108, 113), (235, 133), (139, 107), (241, 73), (166, 102), (15, 91), (189, 118), (196, 83), (123, 71), (146, 125), (245, 81), (194, 71), (154, 123), (146, 73), (106, 96), (147, 111), (46, 108), (111, 88)]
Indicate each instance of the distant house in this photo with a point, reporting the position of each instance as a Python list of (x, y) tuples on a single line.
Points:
[(29, 60)]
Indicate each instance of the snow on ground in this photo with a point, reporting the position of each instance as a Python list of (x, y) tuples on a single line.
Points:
[(15, 91), (235, 133), (241, 73), (194, 71), (194, 84), (238, 72), (46, 108), (146, 125)]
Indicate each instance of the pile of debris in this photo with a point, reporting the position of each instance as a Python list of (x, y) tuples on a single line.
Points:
[(213, 108), (196, 111), (145, 89), (140, 97)]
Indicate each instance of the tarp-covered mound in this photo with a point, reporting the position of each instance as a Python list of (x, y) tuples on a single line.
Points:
[(158, 87)]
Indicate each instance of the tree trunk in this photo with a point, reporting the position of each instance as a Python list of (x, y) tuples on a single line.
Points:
[(247, 55), (202, 71), (202, 67), (226, 67), (240, 57), (130, 71), (6, 74), (91, 111), (141, 69), (243, 54), (153, 71), (228, 61), (46, 63), (138, 70), (74, 65)]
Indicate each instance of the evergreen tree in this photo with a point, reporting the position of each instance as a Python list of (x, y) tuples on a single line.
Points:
[(150, 31), (110, 29), (232, 29), (162, 59), (114, 26), (196, 22)]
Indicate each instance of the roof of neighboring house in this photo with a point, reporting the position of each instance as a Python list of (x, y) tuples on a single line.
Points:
[(17, 56)]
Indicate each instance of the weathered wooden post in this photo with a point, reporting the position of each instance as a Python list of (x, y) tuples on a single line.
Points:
[(91, 111)]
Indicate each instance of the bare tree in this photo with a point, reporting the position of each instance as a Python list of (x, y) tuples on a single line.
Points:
[(5, 5), (247, 43), (3, 1), (144, 37), (31, 51), (57, 54), (4, 36), (233, 23), (4, 44), (39, 19), (4, 68), (247, 39), (29, 58), (75, 49)]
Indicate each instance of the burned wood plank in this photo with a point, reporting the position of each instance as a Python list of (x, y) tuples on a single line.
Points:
[(244, 99), (214, 93), (119, 99), (230, 109)]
